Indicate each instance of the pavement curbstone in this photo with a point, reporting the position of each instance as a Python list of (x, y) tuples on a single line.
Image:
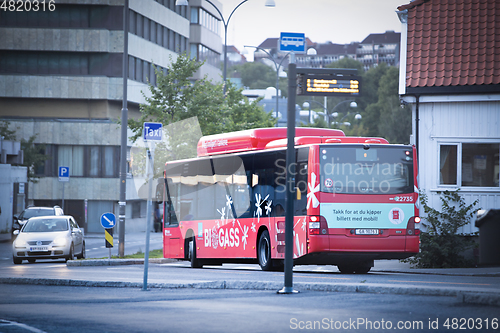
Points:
[(116, 262), (479, 298), (491, 299)]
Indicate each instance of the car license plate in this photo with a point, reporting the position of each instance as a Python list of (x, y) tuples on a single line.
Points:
[(366, 231), (39, 248)]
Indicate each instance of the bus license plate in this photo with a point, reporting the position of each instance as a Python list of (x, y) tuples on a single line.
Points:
[(366, 231)]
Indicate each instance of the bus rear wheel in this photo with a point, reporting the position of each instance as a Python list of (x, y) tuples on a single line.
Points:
[(195, 262), (264, 251), (351, 269)]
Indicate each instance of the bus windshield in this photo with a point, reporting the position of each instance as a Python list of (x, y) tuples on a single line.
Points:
[(366, 170)]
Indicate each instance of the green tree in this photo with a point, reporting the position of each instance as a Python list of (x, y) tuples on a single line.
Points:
[(176, 98), (255, 75), (395, 121), (33, 154)]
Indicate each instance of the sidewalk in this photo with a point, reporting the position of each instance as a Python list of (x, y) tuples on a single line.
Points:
[(388, 266)]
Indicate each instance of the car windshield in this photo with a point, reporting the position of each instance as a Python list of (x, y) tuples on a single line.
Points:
[(29, 213), (46, 225)]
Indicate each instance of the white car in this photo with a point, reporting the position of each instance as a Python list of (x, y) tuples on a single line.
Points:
[(48, 237), (20, 220)]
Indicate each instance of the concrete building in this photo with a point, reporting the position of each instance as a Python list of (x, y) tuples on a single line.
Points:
[(378, 48), (61, 80), (320, 55), (13, 182)]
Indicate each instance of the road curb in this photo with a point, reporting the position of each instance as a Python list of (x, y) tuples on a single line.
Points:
[(486, 298), (436, 272), (116, 262)]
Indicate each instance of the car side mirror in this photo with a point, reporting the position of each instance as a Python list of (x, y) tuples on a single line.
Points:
[(16, 232)]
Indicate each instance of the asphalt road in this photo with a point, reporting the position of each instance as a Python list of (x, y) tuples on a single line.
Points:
[(42, 297), (69, 309)]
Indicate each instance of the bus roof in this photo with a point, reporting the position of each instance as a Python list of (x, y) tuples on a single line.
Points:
[(309, 140), (256, 139)]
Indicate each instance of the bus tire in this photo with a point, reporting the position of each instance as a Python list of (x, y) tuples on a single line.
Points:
[(351, 269), (264, 251), (195, 262)]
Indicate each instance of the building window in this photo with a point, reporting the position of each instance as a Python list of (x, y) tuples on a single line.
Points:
[(480, 164), (194, 15), (469, 164), (136, 209), (448, 165), (72, 157)]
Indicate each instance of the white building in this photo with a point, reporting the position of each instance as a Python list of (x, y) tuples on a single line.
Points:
[(450, 74)]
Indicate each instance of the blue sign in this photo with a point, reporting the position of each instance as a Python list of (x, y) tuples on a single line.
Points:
[(292, 41), (108, 220), (152, 131), (63, 174)]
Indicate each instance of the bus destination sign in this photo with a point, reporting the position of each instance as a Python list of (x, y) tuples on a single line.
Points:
[(326, 85)]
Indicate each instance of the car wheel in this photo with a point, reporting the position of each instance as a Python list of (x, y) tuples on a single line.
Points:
[(264, 251), (71, 253), (17, 261), (82, 255)]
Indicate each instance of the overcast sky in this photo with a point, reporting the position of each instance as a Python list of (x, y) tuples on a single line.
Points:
[(338, 21)]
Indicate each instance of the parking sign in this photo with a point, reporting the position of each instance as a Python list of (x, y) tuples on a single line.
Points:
[(63, 174)]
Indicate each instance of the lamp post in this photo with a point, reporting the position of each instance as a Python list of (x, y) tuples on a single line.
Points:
[(307, 104), (352, 105), (269, 3), (277, 66)]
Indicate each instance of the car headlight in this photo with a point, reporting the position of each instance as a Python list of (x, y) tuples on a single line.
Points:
[(20, 243), (61, 241)]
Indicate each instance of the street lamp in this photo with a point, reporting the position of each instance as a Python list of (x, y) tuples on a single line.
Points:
[(307, 104), (277, 66), (269, 3), (352, 105)]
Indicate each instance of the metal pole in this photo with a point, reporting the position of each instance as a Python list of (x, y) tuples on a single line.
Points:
[(64, 183), (148, 217), (277, 86), (290, 178), (225, 23), (123, 148)]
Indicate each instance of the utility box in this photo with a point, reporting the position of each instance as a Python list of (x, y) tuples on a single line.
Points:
[(488, 223)]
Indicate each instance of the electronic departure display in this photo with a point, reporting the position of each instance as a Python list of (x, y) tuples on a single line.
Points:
[(332, 86), (310, 84)]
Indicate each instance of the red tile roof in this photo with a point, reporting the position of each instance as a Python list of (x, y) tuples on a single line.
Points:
[(453, 43)]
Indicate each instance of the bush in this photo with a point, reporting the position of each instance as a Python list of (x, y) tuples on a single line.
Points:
[(440, 244)]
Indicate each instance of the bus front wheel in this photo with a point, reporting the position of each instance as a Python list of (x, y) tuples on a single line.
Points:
[(195, 262)]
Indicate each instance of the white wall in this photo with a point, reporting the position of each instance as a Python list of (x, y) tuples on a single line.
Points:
[(460, 119)]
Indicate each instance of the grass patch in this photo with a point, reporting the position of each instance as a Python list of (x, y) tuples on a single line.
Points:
[(140, 255)]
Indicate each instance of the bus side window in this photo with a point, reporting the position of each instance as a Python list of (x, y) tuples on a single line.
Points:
[(170, 218), (301, 182), (263, 183)]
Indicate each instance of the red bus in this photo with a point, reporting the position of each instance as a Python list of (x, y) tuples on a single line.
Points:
[(355, 200)]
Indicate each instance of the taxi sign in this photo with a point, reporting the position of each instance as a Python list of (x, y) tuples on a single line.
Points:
[(152, 131)]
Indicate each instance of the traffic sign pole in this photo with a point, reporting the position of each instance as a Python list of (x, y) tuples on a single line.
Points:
[(63, 177), (152, 132), (108, 222)]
